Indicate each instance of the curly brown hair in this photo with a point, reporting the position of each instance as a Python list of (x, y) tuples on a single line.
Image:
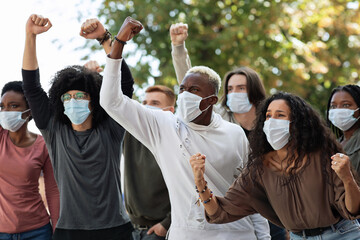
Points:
[(308, 134)]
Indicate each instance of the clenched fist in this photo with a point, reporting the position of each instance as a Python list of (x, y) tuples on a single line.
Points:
[(178, 33), (341, 165), (37, 24), (129, 29), (92, 29)]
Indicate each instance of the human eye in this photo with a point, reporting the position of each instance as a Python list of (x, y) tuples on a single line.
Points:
[(346, 105), (332, 106), (181, 89), (14, 106), (65, 97), (80, 96), (268, 115)]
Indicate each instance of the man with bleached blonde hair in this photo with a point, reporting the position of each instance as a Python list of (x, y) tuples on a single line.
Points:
[(173, 139)]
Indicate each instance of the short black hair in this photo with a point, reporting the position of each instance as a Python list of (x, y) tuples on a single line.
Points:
[(76, 77), (15, 86)]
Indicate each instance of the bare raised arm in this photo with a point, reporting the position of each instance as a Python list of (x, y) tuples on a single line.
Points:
[(128, 30), (197, 163), (36, 24), (93, 29)]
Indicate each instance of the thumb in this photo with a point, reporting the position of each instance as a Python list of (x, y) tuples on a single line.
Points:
[(48, 26), (151, 230), (99, 69)]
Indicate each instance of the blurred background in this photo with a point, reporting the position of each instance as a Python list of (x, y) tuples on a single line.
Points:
[(304, 47)]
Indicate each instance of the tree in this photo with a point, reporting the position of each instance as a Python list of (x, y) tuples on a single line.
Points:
[(305, 47)]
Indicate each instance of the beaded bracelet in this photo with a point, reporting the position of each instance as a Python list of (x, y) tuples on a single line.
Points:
[(120, 41), (209, 199), (202, 191)]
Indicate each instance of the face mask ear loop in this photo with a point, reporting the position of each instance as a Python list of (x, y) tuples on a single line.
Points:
[(354, 113), (209, 104), (27, 116)]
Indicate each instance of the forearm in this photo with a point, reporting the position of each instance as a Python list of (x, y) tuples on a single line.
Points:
[(107, 46), (352, 196), (52, 192), (29, 58), (212, 205), (181, 61), (37, 98), (116, 50), (127, 81)]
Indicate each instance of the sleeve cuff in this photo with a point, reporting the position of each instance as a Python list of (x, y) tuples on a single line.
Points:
[(213, 217), (166, 222)]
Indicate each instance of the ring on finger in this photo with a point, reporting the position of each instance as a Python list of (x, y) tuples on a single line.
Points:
[(341, 155)]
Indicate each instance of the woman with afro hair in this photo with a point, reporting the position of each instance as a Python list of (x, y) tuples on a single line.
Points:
[(84, 145)]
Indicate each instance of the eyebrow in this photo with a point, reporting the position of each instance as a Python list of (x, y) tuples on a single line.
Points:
[(275, 111)]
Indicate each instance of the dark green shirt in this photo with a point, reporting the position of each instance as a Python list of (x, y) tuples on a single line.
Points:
[(352, 149), (146, 196)]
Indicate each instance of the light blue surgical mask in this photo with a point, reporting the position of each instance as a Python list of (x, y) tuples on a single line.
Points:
[(157, 108), (11, 120), (77, 110), (152, 107)]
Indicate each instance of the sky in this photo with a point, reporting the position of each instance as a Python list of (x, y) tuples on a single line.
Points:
[(55, 48)]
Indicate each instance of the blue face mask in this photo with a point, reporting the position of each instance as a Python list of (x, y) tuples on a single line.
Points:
[(77, 110)]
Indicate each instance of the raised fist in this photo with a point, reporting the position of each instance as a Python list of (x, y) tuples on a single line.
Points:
[(37, 24), (92, 29), (129, 29), (93, 66), (178, 33)]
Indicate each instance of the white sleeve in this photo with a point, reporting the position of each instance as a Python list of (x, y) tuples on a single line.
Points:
[(181, 61), (261, 226), (139, 121)]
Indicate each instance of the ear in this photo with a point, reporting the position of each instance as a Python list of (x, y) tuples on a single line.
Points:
[(213, 100), (172, 109)]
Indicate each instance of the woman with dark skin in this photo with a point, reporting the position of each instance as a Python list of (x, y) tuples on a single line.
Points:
[(343, 114), (296, 176), (23, 156)]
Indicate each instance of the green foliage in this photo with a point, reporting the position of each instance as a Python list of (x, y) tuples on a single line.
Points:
[(306, 47)]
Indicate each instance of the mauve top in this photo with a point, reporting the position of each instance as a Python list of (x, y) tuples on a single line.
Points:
[(305, 203), (21, 205)]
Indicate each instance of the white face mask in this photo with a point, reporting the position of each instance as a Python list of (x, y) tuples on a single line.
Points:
[(11, 120), (343, 118), (238, 102), (157, 108), (277, 132), (189, 106)]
